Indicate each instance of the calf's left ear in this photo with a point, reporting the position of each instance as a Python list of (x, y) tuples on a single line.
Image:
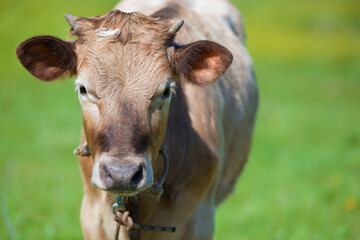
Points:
[(202, 62), (47, 57)]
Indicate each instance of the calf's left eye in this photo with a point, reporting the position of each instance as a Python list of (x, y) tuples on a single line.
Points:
[(166, 93)]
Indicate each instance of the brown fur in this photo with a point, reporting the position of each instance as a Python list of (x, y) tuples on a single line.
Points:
[(171, 11), (48, 66), (199, 60), (207, 127), (135, 28)]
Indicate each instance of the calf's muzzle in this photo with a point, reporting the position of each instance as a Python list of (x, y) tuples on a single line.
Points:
[(121, 175), (122, 178)]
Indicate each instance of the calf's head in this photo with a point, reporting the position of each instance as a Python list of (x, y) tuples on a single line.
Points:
[(127, 67)]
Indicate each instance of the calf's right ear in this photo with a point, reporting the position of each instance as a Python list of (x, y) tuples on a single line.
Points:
[(47, 57)]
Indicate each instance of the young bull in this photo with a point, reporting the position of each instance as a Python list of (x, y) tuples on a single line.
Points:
[(140, 88)]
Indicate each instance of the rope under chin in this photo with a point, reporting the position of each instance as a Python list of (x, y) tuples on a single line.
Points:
[(122, 217)]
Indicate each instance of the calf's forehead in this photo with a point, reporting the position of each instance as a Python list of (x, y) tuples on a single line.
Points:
[(127, 51), (134, 67)]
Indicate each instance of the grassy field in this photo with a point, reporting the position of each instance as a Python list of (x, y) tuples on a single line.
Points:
[(303, 176)]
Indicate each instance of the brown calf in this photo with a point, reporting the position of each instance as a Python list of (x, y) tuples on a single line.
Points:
[(139, 88)]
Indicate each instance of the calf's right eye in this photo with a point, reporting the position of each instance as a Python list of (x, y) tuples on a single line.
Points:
[(82, 90)]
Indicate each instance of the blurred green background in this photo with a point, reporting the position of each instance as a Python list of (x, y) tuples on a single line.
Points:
[(303, 176)]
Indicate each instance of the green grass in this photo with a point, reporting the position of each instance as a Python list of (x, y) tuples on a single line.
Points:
[(304, 168)]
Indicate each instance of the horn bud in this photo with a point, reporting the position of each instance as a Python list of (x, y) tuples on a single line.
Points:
[(71, 19), (176, 25)]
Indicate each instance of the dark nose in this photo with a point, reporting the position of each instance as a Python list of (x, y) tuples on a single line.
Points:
[(122, 178)]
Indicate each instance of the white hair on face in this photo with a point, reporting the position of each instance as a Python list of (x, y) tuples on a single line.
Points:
[(108, 32), (95, 176)]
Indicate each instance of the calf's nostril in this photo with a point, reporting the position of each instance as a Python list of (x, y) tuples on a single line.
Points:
[(136, 178), (106, 172)]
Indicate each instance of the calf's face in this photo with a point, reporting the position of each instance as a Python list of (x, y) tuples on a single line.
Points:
[(127, 67)]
